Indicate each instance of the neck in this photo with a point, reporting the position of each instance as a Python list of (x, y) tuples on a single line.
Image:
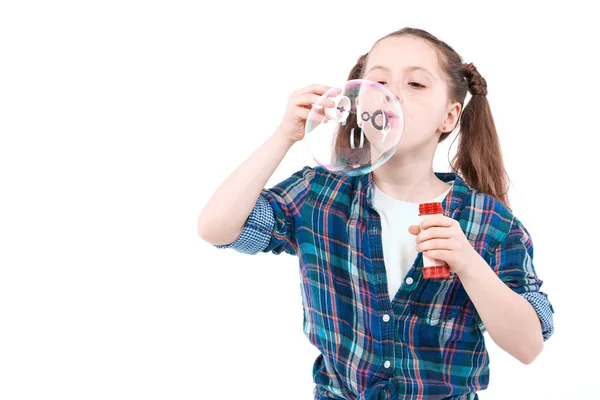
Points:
[(409, 179)]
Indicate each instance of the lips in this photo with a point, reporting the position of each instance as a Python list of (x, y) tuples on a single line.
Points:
[(391, 115)]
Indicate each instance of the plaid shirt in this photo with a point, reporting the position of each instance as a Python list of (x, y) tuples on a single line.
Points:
[(428, 341)]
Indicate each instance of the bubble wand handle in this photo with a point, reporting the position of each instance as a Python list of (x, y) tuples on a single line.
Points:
[(432, 268)]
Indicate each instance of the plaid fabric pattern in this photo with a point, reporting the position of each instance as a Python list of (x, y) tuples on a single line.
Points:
[(428, 341)]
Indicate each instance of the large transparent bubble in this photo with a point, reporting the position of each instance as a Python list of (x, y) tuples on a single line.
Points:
[(360, 132)]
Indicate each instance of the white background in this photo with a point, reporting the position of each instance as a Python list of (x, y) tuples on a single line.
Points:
[(118, 120)]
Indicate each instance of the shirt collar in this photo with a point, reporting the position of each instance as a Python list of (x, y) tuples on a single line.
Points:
[(459, 191)]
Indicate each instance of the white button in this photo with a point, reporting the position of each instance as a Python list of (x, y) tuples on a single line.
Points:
[(409, 280), (386, 318), (386, 364)]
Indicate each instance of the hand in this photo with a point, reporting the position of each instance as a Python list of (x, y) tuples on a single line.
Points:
[(298, 108), (442, 238)]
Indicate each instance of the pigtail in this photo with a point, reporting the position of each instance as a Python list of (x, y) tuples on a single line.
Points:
[(479, 156)]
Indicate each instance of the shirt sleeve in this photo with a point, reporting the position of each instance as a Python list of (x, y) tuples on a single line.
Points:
[(257, 230), (513, 263), (544, 310), (271, 225)]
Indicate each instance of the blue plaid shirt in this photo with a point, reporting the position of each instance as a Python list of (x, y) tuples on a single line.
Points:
[(428, 341)]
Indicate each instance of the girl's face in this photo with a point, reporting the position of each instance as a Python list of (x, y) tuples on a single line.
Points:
[(408, 66)]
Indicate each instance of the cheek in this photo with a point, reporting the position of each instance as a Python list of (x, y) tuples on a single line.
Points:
[(422, 114), (418, 118)]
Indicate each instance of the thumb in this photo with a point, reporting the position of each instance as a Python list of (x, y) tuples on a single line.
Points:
[(414, 229)]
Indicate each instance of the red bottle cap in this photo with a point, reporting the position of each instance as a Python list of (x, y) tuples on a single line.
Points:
[(436, 272), (430, 208)]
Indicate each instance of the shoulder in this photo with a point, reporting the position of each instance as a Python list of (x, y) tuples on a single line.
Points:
[(486, 220), (335, 191), (307, 173), (322, 177)]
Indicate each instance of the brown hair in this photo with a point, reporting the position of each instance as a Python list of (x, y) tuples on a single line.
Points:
[(478, 158)]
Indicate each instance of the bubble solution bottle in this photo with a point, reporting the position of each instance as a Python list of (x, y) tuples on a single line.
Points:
[(432, 268)]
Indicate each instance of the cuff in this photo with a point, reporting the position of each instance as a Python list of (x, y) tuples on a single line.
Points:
[(544, 310), (257, 231)]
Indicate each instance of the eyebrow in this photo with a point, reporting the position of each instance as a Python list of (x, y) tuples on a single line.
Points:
[(412, 68)]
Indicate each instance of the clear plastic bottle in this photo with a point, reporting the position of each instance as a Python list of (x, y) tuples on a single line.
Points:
[(432, 268)]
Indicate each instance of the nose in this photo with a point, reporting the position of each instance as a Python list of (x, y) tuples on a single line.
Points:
[(396, 95)]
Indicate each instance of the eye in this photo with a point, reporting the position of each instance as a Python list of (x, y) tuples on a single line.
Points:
[(382, 82), (416, 85)]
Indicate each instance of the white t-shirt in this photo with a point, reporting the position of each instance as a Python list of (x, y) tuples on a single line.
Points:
[(399, 251)]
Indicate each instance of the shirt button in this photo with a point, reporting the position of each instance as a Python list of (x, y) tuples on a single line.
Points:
[(386, 318), (386, 364), (409, 280)]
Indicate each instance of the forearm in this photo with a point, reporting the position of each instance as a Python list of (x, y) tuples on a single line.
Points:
[(223, 217), (510, 319)]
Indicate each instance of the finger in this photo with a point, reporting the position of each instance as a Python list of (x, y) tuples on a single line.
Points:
[(334, 92), (320, 110), (437, 220), (435, 232), (434, 244), (443, 255), (315, 119), (414, 229), (308, 99), (303, 113), (315, 88)]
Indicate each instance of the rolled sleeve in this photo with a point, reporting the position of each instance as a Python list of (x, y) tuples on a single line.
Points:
[(257, 230), (544, 310), (272, 223)]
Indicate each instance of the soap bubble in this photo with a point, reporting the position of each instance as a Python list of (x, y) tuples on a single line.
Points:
[(360, 132)]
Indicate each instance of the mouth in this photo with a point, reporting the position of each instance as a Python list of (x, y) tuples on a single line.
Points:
[(391, 115)]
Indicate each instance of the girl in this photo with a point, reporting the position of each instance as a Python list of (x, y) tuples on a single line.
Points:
[(382, 329)]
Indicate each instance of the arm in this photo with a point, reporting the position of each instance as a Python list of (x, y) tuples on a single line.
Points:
[(223, 218), (509, 318), (272, 224), (516, 314), (241, 211)]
